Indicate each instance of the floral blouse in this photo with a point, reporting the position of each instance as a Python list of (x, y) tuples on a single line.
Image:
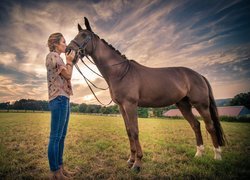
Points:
[(57, 84)]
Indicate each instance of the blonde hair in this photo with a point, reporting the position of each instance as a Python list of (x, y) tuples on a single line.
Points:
[(54, 39)]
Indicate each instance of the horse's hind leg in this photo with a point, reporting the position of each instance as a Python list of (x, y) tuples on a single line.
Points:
[(205, 113), (131, 159), (186, 109)]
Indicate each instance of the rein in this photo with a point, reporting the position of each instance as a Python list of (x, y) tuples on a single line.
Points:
[(88, 81), (81, 52)]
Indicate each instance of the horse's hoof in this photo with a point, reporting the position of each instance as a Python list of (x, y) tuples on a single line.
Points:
[(200, 151), (130, 163), (218, 157), (217, 153), (198, 155), (136, 169)]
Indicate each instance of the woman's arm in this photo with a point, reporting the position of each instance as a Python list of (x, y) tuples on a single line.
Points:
[(67, 73)]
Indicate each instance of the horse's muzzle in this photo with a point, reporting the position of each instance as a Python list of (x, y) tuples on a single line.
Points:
[(68, 50)]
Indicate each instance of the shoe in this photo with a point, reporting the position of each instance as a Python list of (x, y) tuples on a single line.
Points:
[(58, 175), (67, 173)]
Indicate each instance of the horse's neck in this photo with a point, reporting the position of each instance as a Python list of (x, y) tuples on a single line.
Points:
[(105, 58)]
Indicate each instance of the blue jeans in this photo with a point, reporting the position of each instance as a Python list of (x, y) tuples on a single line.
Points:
[(60, 110)]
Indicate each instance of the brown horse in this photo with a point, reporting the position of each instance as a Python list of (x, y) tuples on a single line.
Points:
[(132, 84)]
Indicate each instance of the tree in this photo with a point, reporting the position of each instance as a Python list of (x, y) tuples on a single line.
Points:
[(92, 108), (158, 112), (142, 112), (114, 109), (242, 99), (106, 110), (82, 108), (74, 107), (5, 105)]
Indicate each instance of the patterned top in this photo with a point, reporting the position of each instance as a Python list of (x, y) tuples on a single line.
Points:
[(57, 84)]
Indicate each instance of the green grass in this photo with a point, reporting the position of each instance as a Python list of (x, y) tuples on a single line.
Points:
[(99, 147)]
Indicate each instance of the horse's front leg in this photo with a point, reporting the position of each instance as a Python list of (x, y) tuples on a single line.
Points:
[(131, 114), (131, 159)]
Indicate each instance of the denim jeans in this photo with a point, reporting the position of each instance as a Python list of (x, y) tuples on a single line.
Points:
[(60, 110)]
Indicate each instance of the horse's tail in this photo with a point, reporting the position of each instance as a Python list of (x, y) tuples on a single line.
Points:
[(215, 117)]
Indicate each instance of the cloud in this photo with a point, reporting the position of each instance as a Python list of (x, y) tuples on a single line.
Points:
[(210, 37), (82, 93), (227, 72)]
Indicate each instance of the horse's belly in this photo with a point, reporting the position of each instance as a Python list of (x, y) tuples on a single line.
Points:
[(160, 95), (157, 101)]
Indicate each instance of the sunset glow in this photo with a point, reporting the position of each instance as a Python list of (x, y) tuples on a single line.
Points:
[(211, 37)]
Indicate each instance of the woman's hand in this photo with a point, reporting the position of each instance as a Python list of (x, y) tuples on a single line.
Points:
[(67, 73), (70, 56)]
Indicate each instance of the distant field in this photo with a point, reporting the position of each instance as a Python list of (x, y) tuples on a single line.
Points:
[(99, 147)]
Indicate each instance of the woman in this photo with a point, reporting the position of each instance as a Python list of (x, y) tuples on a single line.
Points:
[(59, 90)]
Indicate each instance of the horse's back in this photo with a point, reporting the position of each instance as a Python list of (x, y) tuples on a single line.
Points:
[(166, 86), (174, 75)]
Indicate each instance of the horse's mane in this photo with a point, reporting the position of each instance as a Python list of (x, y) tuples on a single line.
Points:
[(117, 51)]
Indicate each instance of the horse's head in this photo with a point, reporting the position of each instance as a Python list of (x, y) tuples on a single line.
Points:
[(82, 43)]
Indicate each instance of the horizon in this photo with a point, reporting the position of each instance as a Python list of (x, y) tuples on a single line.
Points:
[(11, 102), (210, 37)]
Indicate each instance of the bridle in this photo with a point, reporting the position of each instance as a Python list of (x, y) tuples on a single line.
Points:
[(81, 47), (81, 52)]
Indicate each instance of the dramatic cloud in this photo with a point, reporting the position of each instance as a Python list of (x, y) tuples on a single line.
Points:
[(211, 37)]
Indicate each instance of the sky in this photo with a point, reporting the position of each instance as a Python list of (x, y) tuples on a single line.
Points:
[(211, 37)]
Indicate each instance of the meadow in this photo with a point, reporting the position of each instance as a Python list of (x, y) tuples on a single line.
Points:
[(98, 147)]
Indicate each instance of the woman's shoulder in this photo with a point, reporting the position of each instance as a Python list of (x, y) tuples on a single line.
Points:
[(52, 58), (52, 55)]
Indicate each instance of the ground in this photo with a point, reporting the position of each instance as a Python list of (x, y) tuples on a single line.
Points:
[(98, 146)]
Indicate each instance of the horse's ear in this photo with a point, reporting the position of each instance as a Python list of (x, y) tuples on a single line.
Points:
[(79, 27), (87, 24)]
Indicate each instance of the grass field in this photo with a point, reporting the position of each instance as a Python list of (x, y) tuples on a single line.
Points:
[(98, 146)]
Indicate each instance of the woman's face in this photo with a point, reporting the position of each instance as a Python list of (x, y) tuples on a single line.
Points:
[(60, 48)]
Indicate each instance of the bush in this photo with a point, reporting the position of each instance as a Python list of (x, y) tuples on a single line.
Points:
[(172, 117), (222, 118), (235, 118), (142, 112)]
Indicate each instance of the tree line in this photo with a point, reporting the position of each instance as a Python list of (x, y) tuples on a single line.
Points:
[(39, 105), (242, 99)]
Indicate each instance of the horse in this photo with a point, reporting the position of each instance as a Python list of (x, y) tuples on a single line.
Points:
[(133, 85)]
